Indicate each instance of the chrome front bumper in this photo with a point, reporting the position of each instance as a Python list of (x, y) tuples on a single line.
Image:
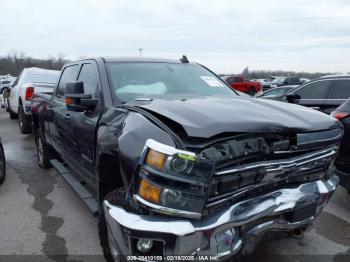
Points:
[(221, 234)]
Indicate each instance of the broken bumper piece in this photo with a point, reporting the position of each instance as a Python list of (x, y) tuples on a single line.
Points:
[(223, 234)]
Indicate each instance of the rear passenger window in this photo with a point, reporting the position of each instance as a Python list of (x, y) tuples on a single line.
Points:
[(88, 76), (341, 89), (314, 90), (69, 75), (294, 80)]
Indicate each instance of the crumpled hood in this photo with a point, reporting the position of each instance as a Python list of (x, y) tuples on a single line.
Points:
[(206, 117)]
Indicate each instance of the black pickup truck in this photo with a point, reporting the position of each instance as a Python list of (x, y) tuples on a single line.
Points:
[(175, 162)]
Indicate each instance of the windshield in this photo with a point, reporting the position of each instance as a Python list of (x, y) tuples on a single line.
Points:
[(130, 81)]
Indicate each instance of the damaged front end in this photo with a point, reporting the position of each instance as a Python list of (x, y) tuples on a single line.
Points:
[(222, 195)]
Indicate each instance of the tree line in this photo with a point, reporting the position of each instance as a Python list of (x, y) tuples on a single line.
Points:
[(263, 74), (13, 63)]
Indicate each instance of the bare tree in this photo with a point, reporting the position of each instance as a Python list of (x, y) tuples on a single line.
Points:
[(14, 62)]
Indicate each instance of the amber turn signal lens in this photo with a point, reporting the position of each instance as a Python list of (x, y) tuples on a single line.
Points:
[(149, 192), (68, 101), (155, 159)]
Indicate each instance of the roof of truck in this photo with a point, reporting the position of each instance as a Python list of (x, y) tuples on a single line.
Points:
[(139, 59)]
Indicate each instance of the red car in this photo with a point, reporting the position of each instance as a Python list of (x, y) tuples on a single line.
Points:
[(241, 84)]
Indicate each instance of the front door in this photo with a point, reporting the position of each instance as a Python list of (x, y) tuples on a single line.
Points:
[(314, 94), (85, 122)]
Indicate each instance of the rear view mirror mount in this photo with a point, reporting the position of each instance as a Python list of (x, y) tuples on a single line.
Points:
[(76, 100)]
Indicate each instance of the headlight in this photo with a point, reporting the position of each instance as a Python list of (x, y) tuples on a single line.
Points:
[(172, 181), (168, 159)]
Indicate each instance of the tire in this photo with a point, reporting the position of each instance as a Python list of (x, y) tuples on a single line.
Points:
[(105, 235), (44, 152), (24, 122), (104, 238), (13, 115), (2, 165), (251, 91)]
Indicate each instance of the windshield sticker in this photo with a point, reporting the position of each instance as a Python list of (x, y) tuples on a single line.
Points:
[(212, 81)]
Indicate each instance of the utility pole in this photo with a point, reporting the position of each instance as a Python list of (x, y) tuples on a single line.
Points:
[(140, 50)]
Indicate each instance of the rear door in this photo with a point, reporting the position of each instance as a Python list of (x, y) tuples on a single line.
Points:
[(340, 92), (314, 94), (61, 132)]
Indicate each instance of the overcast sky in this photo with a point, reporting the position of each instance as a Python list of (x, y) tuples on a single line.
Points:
[(301, 35)]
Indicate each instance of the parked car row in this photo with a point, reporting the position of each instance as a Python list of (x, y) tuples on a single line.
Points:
[(174, 160), (255, 86), (5, 83), (241, 84), (324, 94), (20, 95)]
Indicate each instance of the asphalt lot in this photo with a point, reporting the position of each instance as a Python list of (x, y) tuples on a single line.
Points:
[(41, 218)]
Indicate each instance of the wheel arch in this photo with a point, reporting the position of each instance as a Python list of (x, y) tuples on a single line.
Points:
[(109, 175), (120, 141)]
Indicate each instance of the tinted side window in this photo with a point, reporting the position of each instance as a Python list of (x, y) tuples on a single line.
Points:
[(275, 92), (294, 80), (315, 90), (341, 89), (88, 76), (69, 75), (238, 79), (230, 80)]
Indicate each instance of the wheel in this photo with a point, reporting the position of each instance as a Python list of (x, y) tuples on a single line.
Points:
[(108, 249), (24, 122), (44, 153), (110, 252), (13, 115), (2, 165), (251, 91)]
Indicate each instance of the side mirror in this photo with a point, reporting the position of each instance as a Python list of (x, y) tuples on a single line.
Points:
[(6, 92), (76, 100), (293, 98)]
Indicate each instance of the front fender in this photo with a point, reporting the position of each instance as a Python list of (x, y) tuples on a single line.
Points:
[(123, 134)]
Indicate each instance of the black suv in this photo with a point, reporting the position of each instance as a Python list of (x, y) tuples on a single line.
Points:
[(324, 94), (285, 81)]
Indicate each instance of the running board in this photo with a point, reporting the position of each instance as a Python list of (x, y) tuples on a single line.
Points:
[(88, 199)]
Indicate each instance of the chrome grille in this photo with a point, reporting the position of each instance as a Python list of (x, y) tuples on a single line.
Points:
[(258, 177)]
